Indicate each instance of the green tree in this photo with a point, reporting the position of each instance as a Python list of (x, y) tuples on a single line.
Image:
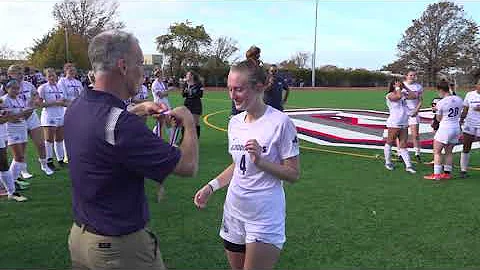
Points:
[(87, 17), (182, 46), (441, 38), (51, 52)]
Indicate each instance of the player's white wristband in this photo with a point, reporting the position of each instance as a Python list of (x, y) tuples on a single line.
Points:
[(214, 184)]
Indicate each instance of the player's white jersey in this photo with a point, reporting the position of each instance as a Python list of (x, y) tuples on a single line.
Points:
[(27, 91), (3, 127), (142, 93), (71, 88), (51, 93), (253, 195), (14, 106), (398, 113), (450, 108), (472, 101), (418, 89), (159, 86)]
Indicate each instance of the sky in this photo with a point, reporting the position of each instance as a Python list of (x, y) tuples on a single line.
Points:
[(356, 34)]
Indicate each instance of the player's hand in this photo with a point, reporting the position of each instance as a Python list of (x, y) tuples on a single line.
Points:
[(201, 197), (182, 116), (254, 149)]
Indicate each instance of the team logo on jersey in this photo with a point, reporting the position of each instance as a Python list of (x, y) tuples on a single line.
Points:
[(356, 128)]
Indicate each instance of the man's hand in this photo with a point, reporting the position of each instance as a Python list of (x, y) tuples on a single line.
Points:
[(148, 108), (182, 116)]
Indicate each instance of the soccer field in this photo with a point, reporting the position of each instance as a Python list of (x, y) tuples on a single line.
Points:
[(346, 210)]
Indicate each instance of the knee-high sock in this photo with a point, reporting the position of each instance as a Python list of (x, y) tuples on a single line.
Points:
[(59, 150), (464, 158), (64, 150), (49, 149), (15, 168), (387, 152), (7, 181), (43, 163), (406, 157)]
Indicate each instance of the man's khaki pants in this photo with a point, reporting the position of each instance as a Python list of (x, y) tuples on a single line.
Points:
[(138, 250)]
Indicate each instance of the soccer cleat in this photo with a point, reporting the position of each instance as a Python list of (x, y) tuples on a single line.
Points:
[(22, 182), (25, 175), (19, 187), (446, 176), (17, 197), (62, 164), (47, 170), (410, 170), (51, 165), (463, 174), (389, 166), (433, 176)]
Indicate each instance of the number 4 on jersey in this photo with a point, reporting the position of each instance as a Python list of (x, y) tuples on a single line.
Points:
[(243, 166)]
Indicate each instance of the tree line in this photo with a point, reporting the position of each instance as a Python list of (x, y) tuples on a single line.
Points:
[(442, 42)]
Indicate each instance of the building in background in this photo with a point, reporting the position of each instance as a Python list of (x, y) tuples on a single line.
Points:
[(152, 61)]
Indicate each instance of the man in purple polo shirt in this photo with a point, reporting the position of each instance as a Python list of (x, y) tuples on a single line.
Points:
[(111, 151)]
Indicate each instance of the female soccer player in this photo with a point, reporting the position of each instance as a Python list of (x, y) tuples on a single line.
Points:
[(71, 88), (160, 89), (470, 120), (5, 175), (265, 150), (193, 93), (397, 124), (19, 111), (51, 119), (414, 103), (448, 113), (28, 93)]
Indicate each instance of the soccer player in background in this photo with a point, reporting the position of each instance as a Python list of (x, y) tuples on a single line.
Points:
[(28, 93), (414, 103), (265, 150), (193, 93), (470, 119), (71, 88), (397, 124), (448, 113), (52, 115)]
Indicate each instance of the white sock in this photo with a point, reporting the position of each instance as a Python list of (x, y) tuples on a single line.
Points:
[(59, 150), (49, 149), (387, 152), (417, 151), (15, 169), (437, 169), (43, 163), (7, 181), (406, 157), (464, 157), (447, 168), (64, 150)]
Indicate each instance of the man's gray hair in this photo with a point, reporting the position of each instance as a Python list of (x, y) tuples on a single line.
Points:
[(106, 48)]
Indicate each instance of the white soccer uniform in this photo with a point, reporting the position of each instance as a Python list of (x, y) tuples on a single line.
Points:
[(51, 116), (398, 117), (27, 92), (16, 132), (141, 95), (254, 208), (3, 127), (71, 88), (159, 86), (472, 121), (412, 103), (450, 108)]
